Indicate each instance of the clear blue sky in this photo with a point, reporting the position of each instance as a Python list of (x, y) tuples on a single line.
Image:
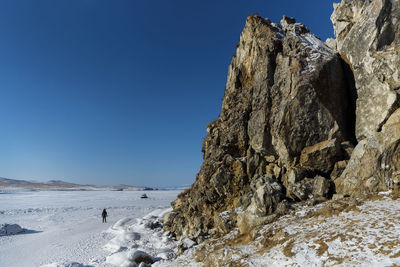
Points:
[(120, 91)]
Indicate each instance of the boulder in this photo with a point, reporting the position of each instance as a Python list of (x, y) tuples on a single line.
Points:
[(322, 156), (282, 208), (267, 195), (338, 169), (140, 256), (10, 229), (248, 222), (321, 186), (224, 222), (300, 190)]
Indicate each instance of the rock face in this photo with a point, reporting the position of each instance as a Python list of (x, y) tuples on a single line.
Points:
[(300, 120), (286, 118), (368, 38)]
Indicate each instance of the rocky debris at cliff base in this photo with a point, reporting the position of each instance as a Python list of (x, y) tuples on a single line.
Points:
[(341, 232)]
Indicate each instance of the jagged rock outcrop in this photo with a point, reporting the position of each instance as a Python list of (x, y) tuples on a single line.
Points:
[(368, 39), (287, 120)]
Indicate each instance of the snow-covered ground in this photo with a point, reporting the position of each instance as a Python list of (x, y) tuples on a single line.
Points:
[(66, 226), (343, 232), (64, 229)]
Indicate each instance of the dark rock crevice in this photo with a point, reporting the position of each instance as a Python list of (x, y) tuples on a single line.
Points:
[(385, 31), (351, 96)]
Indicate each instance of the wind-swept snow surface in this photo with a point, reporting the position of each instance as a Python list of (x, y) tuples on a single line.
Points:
[(64, 228)]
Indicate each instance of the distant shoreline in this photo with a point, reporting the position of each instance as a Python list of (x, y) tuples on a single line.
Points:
[(11, 184)]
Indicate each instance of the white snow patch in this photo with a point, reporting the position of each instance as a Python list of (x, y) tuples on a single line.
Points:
[(140, 234), (317, 49), (187, 242), (65, 227)]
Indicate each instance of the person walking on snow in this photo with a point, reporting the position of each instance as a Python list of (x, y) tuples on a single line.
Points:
[(104, 215)]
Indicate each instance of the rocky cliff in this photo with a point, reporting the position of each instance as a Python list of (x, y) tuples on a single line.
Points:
[(368, 39), (300, 121)]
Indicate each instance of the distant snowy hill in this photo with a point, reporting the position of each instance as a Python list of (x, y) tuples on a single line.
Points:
[(6, 183)]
